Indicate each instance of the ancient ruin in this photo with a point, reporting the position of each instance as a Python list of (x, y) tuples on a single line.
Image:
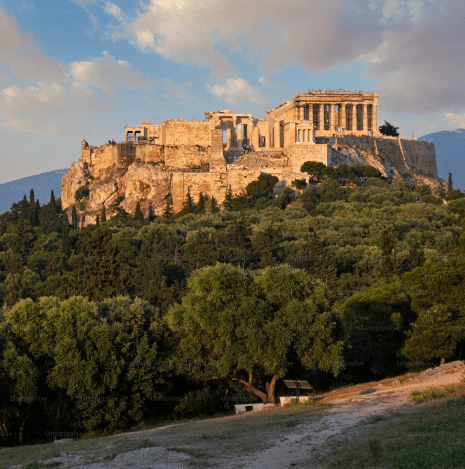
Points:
[(229, 149)]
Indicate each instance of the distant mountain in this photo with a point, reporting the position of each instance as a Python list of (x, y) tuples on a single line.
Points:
[(450, 154), (42, 184)]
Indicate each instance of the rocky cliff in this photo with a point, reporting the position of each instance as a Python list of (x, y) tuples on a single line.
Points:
[(152, 172)]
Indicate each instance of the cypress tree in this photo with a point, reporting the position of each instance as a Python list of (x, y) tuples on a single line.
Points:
[(151, 216), (74, 218), (138, 215), (97, 221), (31, 197), (36, 214), (104, 214), (168, 210), (228, 206), (387, 265), (450, 186), (189, 204), (201, 204), (24, 208), (213, 206), (64, 235)]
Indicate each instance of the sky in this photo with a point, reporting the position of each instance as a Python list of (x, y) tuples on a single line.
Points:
[(75, 69)]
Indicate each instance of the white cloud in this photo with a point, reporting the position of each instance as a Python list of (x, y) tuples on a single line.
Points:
[(457, 121), (236, 90), (23, 57), (411, 47), (108, 73), (47, 108), (59, 96)]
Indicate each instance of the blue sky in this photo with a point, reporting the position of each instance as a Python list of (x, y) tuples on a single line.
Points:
[(74, 69)]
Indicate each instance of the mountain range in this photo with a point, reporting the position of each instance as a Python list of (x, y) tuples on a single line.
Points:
[(42, 184), (450, 154)]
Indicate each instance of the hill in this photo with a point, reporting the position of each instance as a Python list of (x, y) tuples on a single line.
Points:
[(450, 154), (42, 184)]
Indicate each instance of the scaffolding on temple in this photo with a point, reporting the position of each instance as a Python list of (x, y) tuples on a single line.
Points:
[(126, 154)]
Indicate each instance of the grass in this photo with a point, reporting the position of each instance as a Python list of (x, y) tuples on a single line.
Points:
[(430, 395), (425, 436)]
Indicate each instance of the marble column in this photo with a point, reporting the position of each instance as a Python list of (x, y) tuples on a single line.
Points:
[(321, 127), (267, 138), (277, 134), (354, 116), (374, 118), (365, 118), (343, 116), (332, 118), (234, 134), (239, 137)]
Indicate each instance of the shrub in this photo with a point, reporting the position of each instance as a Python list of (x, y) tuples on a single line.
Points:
[(82, 192), (199, 403)]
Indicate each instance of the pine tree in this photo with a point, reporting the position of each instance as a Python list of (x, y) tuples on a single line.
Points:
[(31, 197), (74, 218), (104, 214), (64, 235), (24, 237), (450, 186), (138, 215), (24, 208), (97, 221)]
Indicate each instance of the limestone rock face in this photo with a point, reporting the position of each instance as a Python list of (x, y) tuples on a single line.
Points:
[(73, 179), (100, 194)]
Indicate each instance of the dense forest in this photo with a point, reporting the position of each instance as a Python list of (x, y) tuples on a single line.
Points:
[(348, 278)]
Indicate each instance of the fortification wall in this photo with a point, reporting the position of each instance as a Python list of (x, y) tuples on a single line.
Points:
[(100, 158), (410, 155), (147, 153), (179, 156), (186, 133), (299, 154)]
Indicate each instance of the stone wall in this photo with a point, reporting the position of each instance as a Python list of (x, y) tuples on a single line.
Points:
[(175, 132), (182, 156), (298, 154), (420, 156)]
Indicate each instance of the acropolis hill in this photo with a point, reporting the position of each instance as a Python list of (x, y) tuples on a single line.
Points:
[(228, 149)]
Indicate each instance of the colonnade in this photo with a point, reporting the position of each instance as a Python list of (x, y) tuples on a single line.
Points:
[(328, 117)]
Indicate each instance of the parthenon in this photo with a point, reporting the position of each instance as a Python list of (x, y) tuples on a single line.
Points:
[(302, 120)]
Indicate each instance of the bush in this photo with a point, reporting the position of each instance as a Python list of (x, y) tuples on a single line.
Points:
[(423, 190), (200, 403), (454, 194), (82, 192)]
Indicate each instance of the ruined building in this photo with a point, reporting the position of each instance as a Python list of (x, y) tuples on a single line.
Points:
[(228, 149)]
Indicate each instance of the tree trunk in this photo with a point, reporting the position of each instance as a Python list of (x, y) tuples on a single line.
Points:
[(443, 360), (271, 388), (250, 388)]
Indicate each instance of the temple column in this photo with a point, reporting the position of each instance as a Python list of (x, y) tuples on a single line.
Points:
[(239, 137), (277, 134), (374, 118), (228, 139), (343, 115), (321, 127), (332, 118), (365, 118), (255, 138), (234, 134), (267, 137), (354, 117)]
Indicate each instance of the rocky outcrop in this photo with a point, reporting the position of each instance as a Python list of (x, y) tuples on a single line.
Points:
[(73, 179)]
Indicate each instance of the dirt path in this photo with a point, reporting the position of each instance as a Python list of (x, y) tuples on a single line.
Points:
[(273, 440)]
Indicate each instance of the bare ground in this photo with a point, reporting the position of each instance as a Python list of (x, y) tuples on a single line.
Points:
[(302, 436)]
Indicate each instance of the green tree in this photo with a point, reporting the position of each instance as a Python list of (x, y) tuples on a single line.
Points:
[(104, 214), (113, 349), (138, 215), (201, 204), (36, 214), (299, 183), (285, 198), (388, 129), (168, 212), (377, 319), (227, 204), (199, 251), (151, 215), (74, 218), (450, 185), (97, 221), (387, 261), (65, 243), (31, 197), (188, 205), (213, 207), (262, 187), (314, 169), (435, 334), (248, 326), (23, 239)]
